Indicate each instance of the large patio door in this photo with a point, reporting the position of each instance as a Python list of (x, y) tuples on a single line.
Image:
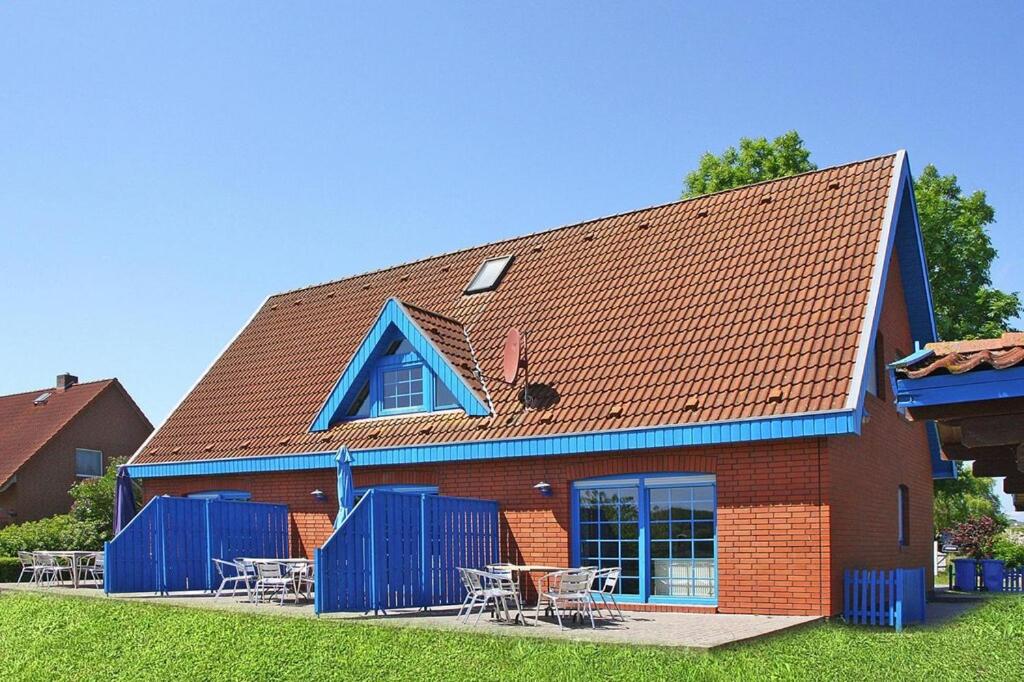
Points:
[(660, 529)]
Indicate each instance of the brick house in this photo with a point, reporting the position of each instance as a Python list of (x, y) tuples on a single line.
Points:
[(52, 438), (706, 408)]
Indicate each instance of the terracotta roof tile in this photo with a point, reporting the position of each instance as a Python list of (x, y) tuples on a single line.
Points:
[(26, 427), (716, 299), (957, 357)]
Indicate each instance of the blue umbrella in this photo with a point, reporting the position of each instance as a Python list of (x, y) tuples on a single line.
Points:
[(346, 492), (124, 500)]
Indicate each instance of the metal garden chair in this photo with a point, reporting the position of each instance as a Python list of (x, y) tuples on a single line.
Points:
[(49, 569), (271, 577), (483, 589), (232, 573), (28, 567), (569, 591), (606, 579), (504, 578)]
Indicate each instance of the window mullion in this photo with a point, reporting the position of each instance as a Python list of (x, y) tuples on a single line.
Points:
[(643, 518)]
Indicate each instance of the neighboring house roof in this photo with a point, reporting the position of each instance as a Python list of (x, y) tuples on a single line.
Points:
[(737, 305), (957, 357), (26, 427)]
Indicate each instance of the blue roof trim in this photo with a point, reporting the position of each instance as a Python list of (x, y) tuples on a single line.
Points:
[(393, 316), (948, 389), (770, 428)]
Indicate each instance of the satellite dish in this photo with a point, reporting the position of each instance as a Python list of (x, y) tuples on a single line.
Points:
[(513, 355)]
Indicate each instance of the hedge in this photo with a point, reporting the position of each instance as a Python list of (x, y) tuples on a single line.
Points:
[(10, 569)]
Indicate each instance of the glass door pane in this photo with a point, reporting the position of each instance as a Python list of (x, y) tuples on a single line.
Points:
[(682, 529), (610, 533)]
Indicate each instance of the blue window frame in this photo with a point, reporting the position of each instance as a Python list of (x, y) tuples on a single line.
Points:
[(229, 495), (400, 383), (660, 529)]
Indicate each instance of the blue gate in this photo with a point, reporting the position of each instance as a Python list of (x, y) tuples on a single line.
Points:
[(399, 550), (169, 545), (894, 598)]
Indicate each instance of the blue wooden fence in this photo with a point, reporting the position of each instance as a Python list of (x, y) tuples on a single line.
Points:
[(169, 545), (398, 550), (893, 598), (1013, 578)]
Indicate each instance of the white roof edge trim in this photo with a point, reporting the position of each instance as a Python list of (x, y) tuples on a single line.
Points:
[(878, 272), (206, 371)]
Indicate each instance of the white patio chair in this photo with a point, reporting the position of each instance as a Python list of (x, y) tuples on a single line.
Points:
[(302, 576), (91, 567), (49, 569), (271, 577), (568, 590), (28, 567), (484, 589), (504, 579), (233, 573), (606, 579)]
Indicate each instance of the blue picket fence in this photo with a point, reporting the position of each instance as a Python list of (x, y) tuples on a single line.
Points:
[(892, 598), (170, 544), (1013, 580), (399, 550)]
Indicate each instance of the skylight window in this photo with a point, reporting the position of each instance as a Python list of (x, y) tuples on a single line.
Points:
[(488, 277), (41, 399)]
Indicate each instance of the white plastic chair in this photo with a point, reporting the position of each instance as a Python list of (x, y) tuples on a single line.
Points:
[(302, 576), (233, 573), (568, 590), (607, 579), (91, 566), (504, 579)]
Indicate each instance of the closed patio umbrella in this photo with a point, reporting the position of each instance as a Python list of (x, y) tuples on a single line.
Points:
[(124, 500), (346, 493)]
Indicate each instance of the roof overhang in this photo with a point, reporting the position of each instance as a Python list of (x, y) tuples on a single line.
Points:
[(806, 425)]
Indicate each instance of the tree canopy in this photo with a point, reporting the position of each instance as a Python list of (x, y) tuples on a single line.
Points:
[(756, 159), (960, 256), (965, 497)]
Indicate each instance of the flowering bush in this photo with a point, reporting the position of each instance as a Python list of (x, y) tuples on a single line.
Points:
[(975, 537)]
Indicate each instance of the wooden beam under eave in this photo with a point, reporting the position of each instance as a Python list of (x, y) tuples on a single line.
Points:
[(1018, 502), (979, 408), (958, 452), (986, 431), (1003, 465), (1014, 485), (948, 433)]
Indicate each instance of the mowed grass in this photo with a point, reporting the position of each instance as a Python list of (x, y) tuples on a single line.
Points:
[(45, 637)]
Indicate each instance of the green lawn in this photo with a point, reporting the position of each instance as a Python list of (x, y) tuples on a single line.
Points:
[(45, 637)]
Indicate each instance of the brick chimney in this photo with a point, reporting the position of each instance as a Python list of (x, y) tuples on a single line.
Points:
[(66, 381)]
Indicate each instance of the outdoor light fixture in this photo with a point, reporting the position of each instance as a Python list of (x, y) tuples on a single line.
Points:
[(543, 488), (319, 494), (866, 418)]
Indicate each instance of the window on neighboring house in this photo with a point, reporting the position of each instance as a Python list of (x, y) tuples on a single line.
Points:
[(903, 514), (400, 382), (88, 463), (660, 530), (229, 495)]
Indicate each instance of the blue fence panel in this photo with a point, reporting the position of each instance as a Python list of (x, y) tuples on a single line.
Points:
[(1013, 580), (170, 544), (401, 550), (892, 598)]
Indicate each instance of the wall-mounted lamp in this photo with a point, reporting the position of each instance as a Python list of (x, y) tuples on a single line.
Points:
[(544, 488), (866, 418), (319, 495)]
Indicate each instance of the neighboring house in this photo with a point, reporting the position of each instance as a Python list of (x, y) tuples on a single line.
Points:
[(52, 438), (708, 405)]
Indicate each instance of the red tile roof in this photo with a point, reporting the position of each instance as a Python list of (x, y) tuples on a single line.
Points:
[(957, 357), (745, 303), (26, 427), (452, 339)]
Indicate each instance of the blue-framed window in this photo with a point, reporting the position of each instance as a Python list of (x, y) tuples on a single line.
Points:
[(399, 383), (229, 495), (660, 529)]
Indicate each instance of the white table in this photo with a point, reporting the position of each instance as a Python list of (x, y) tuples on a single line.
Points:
[(297, 568), (73, 559)]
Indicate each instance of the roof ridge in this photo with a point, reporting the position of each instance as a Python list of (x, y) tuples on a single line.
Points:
[(54, 388), (567, 226)]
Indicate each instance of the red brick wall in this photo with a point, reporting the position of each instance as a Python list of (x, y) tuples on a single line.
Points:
[(110, 424), (771, 540), (867, 470)]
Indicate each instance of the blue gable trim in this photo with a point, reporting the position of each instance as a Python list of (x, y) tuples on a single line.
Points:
[(771, 428), (393, 316)]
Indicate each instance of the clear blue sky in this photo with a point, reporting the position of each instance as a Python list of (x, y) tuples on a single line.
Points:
[(165, 166)]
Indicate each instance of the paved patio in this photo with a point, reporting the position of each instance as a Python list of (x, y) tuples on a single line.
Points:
[(689, 630)]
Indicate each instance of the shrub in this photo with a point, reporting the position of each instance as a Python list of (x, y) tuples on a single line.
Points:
[(1008, 550), (975, 536), (53, 533), (10, 569)]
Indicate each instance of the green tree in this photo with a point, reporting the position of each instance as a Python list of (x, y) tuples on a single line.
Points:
[(94, 497), (963, 498), (960, 256), (756, 159)]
